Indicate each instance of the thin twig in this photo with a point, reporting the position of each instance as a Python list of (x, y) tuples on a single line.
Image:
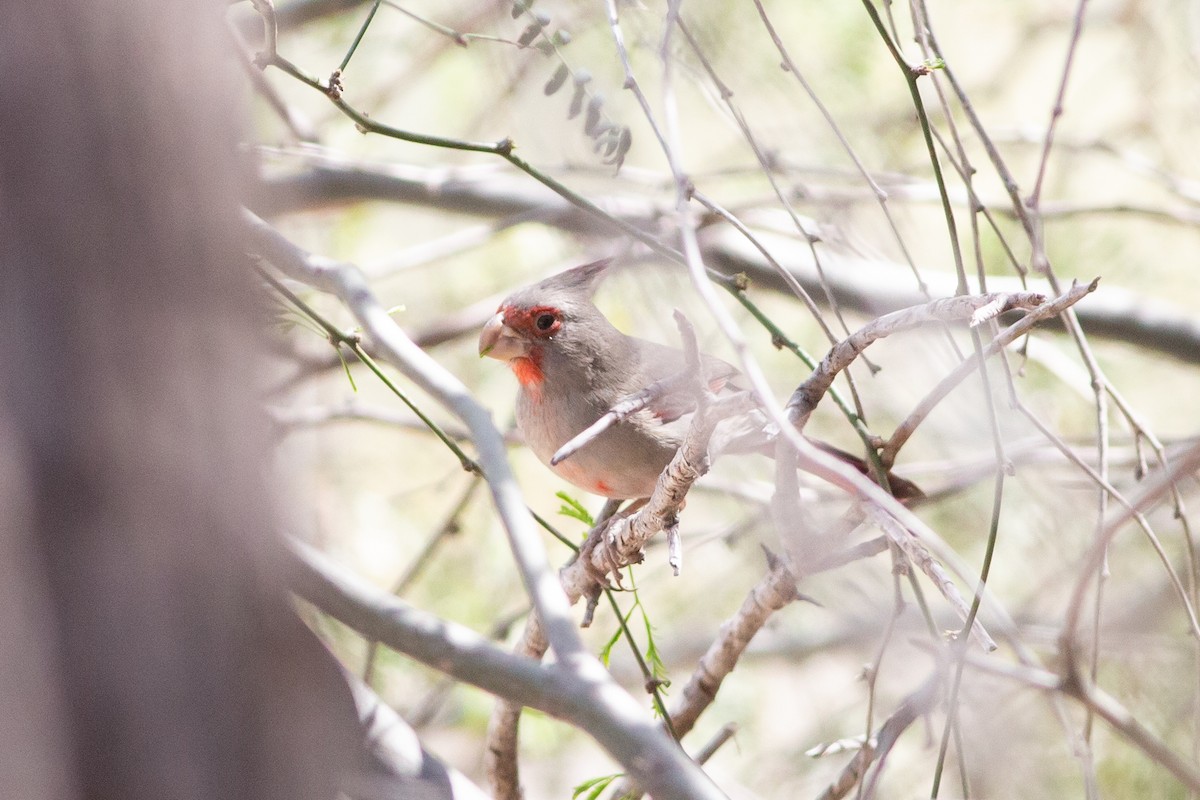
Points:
[(917, 704), (1010, 334), (1106, 706), (974, 308)]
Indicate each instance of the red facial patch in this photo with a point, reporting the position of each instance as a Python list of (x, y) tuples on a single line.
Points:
[(539, 321), (603, 488)]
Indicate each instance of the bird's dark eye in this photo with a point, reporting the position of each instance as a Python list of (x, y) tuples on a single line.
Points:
[(545, 322)]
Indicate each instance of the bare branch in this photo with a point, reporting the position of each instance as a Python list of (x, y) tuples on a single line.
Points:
[(446, 646), (975, 308), (917, 704), (908, 544), (869, 286), (1010, 334), (1105, 706), (577, 693), (774, 591), (1163, 483)]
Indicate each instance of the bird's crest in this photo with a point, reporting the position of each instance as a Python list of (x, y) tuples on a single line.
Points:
[(580, 281)]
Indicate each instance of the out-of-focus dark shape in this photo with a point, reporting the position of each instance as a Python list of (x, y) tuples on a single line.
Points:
[(147, 646)]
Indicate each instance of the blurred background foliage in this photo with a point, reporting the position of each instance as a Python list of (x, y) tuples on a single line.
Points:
[(1121, 199)]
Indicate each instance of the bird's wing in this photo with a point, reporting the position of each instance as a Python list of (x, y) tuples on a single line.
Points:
[(658, 362)]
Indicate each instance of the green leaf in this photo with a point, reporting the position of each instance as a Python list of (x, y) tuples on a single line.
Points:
[(594, 786), (606, 652), (657, 667), (346, 367), (574, 509)]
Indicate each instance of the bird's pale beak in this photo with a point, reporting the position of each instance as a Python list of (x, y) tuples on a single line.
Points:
[(499, 341)]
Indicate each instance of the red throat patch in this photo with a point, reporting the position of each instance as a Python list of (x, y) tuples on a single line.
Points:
[(529, 373)]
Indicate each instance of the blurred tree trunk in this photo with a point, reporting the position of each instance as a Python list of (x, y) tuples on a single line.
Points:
[(147, 648)]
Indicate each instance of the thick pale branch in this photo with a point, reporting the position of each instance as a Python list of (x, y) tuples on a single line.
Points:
[(587, 698), (775, 591), (446, 646)]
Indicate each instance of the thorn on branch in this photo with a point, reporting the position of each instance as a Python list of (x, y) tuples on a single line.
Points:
[(674, 548)]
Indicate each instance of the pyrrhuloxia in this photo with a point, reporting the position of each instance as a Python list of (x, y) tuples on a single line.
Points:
[(573, 366)]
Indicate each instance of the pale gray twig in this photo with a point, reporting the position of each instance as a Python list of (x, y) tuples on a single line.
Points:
[(622, 410), (917, 704), (916, 553)]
